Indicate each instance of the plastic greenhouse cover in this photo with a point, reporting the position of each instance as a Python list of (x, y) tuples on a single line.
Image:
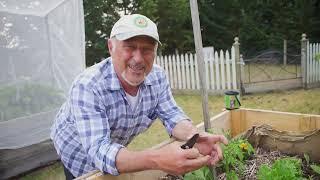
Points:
[(40, 57), (29, 7)]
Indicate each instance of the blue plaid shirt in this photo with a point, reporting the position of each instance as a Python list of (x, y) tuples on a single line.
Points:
[(97, 120)]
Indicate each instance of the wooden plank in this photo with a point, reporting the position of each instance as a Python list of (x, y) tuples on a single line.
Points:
[(284, 52), (307, 123), (200, 59), (142, 175), (192, 71), (317, 67), (235, 122), (234, 73), (166, 67), (308, 64), (207, 59), (227, 60), (178, 60), (206, 69), (281, 120), (161, 62), (189, 63), (183, 71), (222, 70), (212, 77), (155, 60), (313, 65), (170, 72), (218, 122), (216, 60), (174, 69), (196, 68), (318, 63), (158, 60), (239, 123), (236, 45), (317, 119)]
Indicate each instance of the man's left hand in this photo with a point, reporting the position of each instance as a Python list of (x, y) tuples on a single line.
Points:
[(208, 144)]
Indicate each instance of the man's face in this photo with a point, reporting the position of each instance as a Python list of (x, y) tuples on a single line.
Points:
[(133, 58)]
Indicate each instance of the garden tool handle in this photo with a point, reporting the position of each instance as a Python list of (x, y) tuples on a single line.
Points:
[(190, 143)]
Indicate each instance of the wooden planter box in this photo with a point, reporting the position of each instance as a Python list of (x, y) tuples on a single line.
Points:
[(237, 121)]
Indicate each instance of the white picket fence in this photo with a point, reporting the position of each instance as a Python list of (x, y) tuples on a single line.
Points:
[(182, 70), (313, 65)]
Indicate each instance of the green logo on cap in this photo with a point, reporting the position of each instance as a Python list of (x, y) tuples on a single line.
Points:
[(140, 22)]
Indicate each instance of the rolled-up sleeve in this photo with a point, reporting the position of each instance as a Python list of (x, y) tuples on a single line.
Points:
[(167, 109), (93, 128)]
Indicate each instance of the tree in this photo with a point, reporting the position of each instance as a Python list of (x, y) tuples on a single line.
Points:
[(220, 22), (260, 24), (99, 16), (174, 23)]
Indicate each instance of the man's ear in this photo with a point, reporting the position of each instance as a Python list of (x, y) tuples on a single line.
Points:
[(110, 44)]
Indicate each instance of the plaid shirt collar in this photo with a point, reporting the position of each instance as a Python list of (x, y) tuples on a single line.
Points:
[(111, 76)]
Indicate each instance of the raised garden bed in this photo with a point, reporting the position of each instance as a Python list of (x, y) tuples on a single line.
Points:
[(265, 153), (237, 121)]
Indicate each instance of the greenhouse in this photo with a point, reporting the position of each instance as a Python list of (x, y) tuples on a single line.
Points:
[(42, 49)]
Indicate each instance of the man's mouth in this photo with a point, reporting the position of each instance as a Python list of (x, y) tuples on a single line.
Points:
[(137, 68)]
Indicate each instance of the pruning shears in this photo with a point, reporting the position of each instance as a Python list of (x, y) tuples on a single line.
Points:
[(190, 143)]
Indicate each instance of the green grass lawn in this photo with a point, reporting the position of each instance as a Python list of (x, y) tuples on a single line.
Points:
[(300, 101)]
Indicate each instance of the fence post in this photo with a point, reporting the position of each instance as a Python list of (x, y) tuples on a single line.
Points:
[(242, 75), (284, 52), (304, 70), (236, 45)]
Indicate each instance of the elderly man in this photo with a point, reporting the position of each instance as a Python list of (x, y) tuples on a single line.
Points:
[(115, 100)]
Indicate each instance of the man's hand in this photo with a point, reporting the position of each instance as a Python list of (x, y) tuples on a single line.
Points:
[(208, 144), (177, 161)]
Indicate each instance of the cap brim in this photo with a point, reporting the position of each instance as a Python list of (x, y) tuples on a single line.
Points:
[(125, 36)]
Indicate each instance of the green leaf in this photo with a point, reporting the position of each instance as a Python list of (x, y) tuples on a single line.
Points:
[(264, 172), (232, 175), (203, 173), (285, 168), (307, 158), (315, 168)]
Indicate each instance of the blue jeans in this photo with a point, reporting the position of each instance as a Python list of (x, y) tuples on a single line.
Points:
[(67, 173)]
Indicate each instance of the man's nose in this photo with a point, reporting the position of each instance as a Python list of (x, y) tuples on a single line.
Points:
[(138, 55)]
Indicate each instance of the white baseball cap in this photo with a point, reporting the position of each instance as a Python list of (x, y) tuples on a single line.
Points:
[(129, 26)]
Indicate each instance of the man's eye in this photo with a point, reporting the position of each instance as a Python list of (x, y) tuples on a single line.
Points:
[(148, 50), (129, 46)]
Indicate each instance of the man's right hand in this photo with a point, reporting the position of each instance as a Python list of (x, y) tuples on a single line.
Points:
[(177, 161)]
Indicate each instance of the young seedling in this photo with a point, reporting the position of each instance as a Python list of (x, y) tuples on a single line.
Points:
[(281, 169), (234, 156)]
